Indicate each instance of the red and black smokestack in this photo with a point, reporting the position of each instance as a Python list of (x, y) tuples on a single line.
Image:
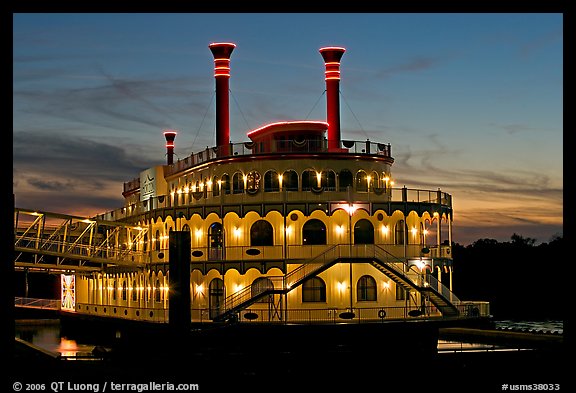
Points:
[(170, 135), (332, 56), (222, 52)]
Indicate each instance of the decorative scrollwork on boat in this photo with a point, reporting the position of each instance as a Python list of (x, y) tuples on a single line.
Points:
[(298, 142), (317, 190), (249, 145), (348, 144), (252, 191), (378, 190)]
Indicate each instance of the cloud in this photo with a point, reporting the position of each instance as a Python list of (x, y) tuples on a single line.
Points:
[(107, 101), (530, 48), (512, 129), (416, 64)]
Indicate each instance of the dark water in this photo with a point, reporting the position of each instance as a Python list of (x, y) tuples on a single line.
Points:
[(531, 326), (47, 335)]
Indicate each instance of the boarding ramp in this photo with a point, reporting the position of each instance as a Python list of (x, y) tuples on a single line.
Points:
[(55, 242)]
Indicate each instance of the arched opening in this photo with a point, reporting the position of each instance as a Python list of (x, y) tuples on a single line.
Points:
[(313, 232), (215, 241), (238, 183), (271, 182), (216, 293), (157, 291), (186, 228), (309, 180), (345, 180), (215, 186), (157, 241), (400, 230), (363, 232), (260, 285), (366, 289), (361, 181), (225, 184), (328, 180), (261, 234), (290, 180)]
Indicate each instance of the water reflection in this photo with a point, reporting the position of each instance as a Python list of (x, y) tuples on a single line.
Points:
[(46, 335)]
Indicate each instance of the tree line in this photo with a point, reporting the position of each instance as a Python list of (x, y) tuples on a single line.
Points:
[(520, 279)]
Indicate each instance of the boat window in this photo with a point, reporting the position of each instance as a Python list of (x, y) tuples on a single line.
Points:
[(313, 232), (216, 294), (400, 293), (261, 234), (124, 290), (345, 180), (366, 289), (309, 180), (314, 290), (238, 183), (158, 292), (225, 184), (271, 182), (400, 232), (329, 180), (361, 181), (363, 232), (290, 180), (157, 241)]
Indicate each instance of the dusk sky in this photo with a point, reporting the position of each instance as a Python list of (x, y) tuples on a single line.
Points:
[(471, 103)]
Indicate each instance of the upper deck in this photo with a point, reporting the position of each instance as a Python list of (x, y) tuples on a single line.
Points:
[(274, 149)]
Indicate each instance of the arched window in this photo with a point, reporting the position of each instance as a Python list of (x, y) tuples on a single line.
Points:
[(313, 232), (309, 180), (145, 244), (124, 290), (374, 180), (216, 293), (157, 291), (215, 241), (314, 290), (260, 285), (114, 290), (290, 181), (345, 180), (225, 184), (400, 292), (363, 232), (271, 182), (134, 291), (157, 245), (215, 186), (400, 232), (261, 234), (361, 181), (366, 289), (329, 180), (238, 183)]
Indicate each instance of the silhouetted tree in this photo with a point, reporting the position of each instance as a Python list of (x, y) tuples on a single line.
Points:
[(521, 280)]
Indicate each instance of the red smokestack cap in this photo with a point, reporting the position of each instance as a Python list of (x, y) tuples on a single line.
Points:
[(332, 56), (170, 135), (222, 52)]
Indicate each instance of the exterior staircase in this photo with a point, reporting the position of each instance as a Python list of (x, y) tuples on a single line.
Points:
[(393, 267)]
